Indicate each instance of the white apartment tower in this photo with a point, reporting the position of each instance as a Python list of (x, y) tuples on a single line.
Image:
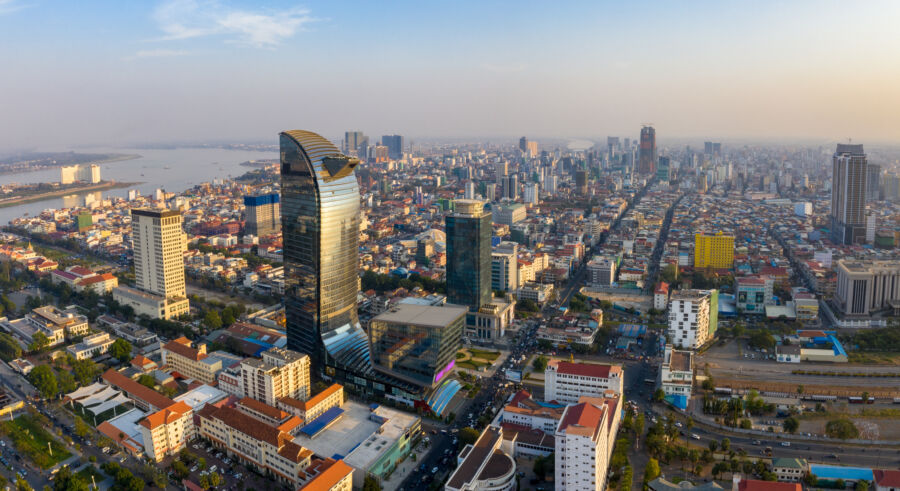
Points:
[(584, 443), (690, 314), (505, 267), (280, 373)]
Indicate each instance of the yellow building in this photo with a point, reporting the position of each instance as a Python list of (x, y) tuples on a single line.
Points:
[(167, 431), (714, 251)]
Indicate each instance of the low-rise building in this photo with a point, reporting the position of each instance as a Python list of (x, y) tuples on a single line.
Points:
[(195, 363), (524, 411), (886, 480), (567, 382), (329, 475), (676, 373), (538, 293), (332, 396), (91, 346), (486, 465), (790, 470)]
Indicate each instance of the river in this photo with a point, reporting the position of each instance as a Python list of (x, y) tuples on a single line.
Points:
[(173, 170)]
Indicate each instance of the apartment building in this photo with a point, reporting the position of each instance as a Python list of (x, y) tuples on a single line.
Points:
[(329, 475), (602, 271), (167, 431), (524, 411), (714, 251), (91, 346), (280, 373), (584, 443), (693, 317), (676, 373), (308, 410), (567, 382), (255, 443), (505, 267)]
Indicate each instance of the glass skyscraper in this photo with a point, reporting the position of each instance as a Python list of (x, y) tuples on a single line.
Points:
[(469, 254), (320, 224)]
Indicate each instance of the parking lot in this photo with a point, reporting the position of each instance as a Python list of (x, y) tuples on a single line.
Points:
[(234, 474)]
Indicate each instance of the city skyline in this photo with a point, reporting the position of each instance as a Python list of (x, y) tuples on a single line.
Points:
[(216, 70)]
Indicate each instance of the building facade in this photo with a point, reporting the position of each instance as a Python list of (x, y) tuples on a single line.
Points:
[(584, 443), (848, 194), (263, 214), (505, 267), (693, 317), (567, 382), (280, 373), (167, 431), (714, 251), (486, 465), (676, 373), (468, 232), (867, 287), (648, 156)]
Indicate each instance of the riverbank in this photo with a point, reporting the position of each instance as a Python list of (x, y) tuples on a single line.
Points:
[(112, 158), (102, 186)]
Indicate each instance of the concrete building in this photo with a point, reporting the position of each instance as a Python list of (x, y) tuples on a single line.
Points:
[(567, 382), (693, 317), (676, 373), (91, 346), (848, 194), (602, 271), (524, 411), (56, 324), (753, 294), (886, 480), (195, 363), (584, 443), (310, 409), (505, 267), (280, 373), (486, 465), (790, 470), (648, 154), (263, 214), (158, 242), (536, 292), (167, 431), (329, 475), (661, 296), (867, 287), (509, 214), (714, 251)]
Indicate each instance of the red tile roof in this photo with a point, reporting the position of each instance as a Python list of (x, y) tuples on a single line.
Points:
[(165, 416), (584, 369), (887, 478), (182, 347), (329, 476), (263, 408), (136, 390), (584, 414), (755, 485)]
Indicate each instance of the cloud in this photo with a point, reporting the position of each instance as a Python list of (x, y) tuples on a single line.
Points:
[(156, 53), (10, 6), (187, 19)]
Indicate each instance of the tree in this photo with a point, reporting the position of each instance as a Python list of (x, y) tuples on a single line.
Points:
[(121, 350), (713, 445), (762, 339), (651, 472), (800, 390), (659, 395), (85, 371), (540, 363), (22, 485), (746, 424), (147, 381), (201, 463), (180, 469), (81, 428), (790, 425), (39, 341), (544, 344), (9, 348), (212, 320), (67, 382), (370, 483), (862, 486), (726, 444), (214, 479), (43, 379), (468, 436), (841, 428), (627, 477), (543, 466), (66, 480)]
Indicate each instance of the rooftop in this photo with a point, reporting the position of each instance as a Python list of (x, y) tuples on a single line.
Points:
[(422, 315), (585, 369), (136, 390), (475, 458), (330, 476)]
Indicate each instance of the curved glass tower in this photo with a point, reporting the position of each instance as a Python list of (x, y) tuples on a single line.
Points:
[(320, 224)]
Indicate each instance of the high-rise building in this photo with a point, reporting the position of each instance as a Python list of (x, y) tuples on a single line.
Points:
[(693, 317), (511, 187), (581, 182), (873, 182), (87, 173), (648, 157), (584, 443), (523, 144), (417, 343), (356, 143), (394, 143), (531, 149), (279, 373), (505, 267), (470, 190), (867, 287), (490, 191), (263, 214), (848, 194), (531, 193), (612, 144), (468, 232), (714, 251), (158, 243)]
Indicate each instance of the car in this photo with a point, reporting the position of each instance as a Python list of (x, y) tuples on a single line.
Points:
[(238, 476), (213, 468), (785, 444), (678, 424), (194, 469), (434, 470), (695, 436)]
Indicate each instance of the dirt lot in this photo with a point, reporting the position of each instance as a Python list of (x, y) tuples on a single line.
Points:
[(642, 303)]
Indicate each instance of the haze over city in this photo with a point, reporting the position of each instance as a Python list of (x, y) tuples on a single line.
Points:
[(100, 73)]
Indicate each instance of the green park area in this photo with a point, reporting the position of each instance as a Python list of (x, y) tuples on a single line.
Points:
[(30, 438), (475, 359), (89, 471)]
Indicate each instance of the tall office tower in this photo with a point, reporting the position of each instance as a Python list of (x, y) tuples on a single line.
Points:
[(394, 143), (523, 144), (468, 232), (581, 186), (470, 190), (848, 194), (873, 182), (552, 184), (612, 143), (490, 191), (891, 187), (263, 214), (647, 163), (356, 143), (158, 243), (531, 149), (662, 171), (511, 187), (320, 221), (531, 194), (627, 143), (501, 170)]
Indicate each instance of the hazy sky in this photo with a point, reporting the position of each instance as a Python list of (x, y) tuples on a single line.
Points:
[(116, 72)]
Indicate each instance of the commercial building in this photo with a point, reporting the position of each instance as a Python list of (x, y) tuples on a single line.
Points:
[(91, 346), (310, 409), (524, 411), (394, 144), (509, 214), (867, 287), (584, 443), (753, 294), (195, 363), (567, 382), (469, 255), (486, 465), (602, 271), (676, 375), (536, 292), (417, 343), (158, 241), (648, 156), (581, 182), (714, 251), (848, 194), (356, 143), (790, 470), (55, 324), (693, 317), (505, 267), (329, 475), (280, 373), (320, 225), (167, 431), (255, 443), (263, 214)]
